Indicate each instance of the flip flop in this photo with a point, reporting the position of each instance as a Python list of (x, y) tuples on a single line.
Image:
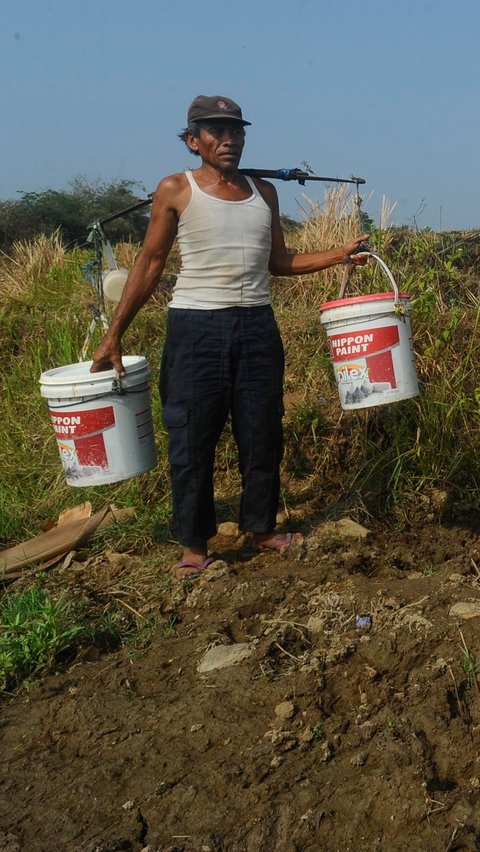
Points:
[(187, 570), (278, 542)]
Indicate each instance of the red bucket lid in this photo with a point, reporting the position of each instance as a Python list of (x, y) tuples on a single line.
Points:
[(357, 300)]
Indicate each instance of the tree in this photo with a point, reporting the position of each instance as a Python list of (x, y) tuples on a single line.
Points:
[(73, 211)]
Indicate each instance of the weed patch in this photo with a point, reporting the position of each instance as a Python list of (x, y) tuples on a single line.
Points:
[(34, 631)]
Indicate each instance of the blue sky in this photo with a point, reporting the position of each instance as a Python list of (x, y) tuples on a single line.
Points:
[(385, 90)]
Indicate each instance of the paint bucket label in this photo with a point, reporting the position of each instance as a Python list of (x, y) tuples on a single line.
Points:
[(80, 437), (103, 436), (371, 348)]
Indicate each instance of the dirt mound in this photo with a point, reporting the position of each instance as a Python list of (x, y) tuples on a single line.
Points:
[(351, 720)]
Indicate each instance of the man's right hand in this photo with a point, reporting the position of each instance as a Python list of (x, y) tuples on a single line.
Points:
[(108, 356)]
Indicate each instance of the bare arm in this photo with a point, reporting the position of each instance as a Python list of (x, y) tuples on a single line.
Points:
[(144, 275), (284, 263)]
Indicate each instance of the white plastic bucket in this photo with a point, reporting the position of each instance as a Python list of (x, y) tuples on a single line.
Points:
[(370, 343), (103, 423)]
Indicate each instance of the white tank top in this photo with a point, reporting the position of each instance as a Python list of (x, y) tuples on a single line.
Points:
[(225, 249)]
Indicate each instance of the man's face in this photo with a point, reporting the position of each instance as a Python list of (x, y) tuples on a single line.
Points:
[(220, 143)]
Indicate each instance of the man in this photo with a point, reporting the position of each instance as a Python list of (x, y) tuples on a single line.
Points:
[(223, 353)]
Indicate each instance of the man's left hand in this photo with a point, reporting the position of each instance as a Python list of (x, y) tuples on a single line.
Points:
[(354, 253)]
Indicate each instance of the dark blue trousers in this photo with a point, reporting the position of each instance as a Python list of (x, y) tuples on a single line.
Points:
[(215, 364)]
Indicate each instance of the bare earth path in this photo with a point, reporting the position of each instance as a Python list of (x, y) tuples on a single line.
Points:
[(329, 734)]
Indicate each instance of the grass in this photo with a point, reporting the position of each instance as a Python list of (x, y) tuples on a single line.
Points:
[(381, 458), (34, 631), (386, 456), (470, 669), (470, 666), (45, 330), (39, 630)]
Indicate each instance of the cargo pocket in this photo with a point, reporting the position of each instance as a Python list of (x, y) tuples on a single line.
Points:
[(175, 419)]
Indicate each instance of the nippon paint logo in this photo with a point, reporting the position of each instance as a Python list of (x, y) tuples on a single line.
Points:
[(352, 373), (367, 342), (79, 424), (64, 424), (353, 345)]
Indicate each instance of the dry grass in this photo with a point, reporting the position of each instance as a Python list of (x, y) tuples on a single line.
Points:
[(126, 254), (28, 263), (371, 458), (331, 223), (386, 211)]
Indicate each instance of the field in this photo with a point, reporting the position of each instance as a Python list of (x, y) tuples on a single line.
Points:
[(352, 719)]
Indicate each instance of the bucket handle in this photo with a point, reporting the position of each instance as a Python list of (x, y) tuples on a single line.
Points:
[(399, 305), (117, 386)]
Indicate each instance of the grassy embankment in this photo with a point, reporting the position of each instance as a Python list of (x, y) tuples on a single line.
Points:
[(389, 461)]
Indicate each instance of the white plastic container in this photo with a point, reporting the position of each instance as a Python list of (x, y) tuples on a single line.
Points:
[(103, 424), (370, 342)]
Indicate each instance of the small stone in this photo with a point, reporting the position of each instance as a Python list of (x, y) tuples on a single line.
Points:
[(351, 529), (343, 529), (128, 805), (276, 762), (222, 656), (285, 710), (228, 528), (359, 759), (195, 728), (463, 609)]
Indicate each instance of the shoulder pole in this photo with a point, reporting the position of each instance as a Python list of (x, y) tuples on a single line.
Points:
[(272, 174)]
